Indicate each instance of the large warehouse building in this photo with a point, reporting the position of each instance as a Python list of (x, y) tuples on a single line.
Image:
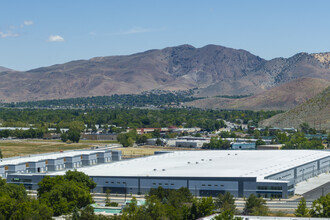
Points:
[(265, 173)]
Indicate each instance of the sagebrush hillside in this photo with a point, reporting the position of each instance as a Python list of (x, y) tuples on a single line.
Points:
[(315, 112), (282, 97)]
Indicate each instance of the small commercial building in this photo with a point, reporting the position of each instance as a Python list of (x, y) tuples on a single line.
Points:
[(243, 146), (100, 137), (48, 162), (270, 147), (190, 143)]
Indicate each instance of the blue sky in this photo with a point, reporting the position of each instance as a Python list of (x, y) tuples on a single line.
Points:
[(41, 33)]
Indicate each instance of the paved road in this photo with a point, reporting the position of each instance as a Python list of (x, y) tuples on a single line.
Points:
[(317, 192), (285, 205)]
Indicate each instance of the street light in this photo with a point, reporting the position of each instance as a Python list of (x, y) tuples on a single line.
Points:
[(125, 190)]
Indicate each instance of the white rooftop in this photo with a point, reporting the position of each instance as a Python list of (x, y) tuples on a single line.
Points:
[(47, 156), (228, 163)]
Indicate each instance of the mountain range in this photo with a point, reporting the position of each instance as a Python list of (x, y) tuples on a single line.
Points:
[(211, 70), (282, 97)]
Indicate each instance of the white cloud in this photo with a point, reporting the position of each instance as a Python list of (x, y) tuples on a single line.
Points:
[(55, 38), (8, 34), (27, 23)]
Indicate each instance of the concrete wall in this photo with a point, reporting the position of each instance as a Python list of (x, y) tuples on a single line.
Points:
[(55, 164), (104, 157), (36, 167), (17, 168), (239, 187), (303, 172), (116, 155), (73, 162), (89, 159), (2, 172)]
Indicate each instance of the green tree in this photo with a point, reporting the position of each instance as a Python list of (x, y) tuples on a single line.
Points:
[(74, 135), (206, 206), (255, 206), (260, 142), (256, 134), (154, 208), (299, 141), (80, 178), (107, 197), (87, 213), (321, 207), (156, 133), (58, 129), (302, 210), (64, 137), (225, 202), (227, 215), (65, 193), (304, 127), (77, 125), (1, 156), (142, 139), (158, 142), (127, 139)]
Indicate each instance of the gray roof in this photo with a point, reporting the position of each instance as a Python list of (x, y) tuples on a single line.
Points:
[(216, 163)]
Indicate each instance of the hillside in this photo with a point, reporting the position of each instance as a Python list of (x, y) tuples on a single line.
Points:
[(4, 69), (213, 70), (283, 97), (315, 112)]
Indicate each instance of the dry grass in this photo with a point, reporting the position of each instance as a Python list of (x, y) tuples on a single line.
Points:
[(20, 147), (11, 148), (131, 152)]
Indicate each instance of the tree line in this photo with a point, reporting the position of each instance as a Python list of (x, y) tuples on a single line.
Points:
[(125, 100), (126, 117)]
